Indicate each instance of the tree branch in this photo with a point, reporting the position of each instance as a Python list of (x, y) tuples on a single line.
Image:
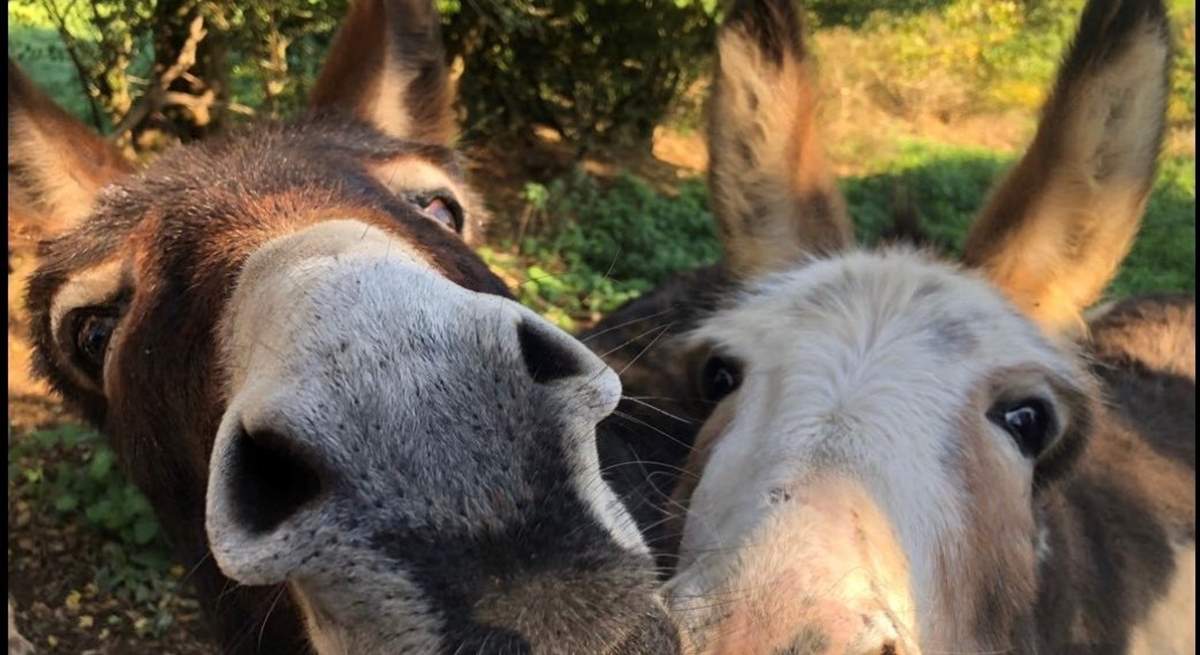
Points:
[(156, 95), (68, 41)]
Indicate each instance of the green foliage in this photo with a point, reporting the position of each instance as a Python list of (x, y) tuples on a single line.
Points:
[(1164, 256), (258, 33), (71, 473), (614, 242), (96, 489), (627, 229), (40, 53), (607, 244), (1181, 110), (595, 71), (946, 57), (854, 13), (948, 185)]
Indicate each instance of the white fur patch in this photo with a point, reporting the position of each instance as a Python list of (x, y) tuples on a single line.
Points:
[(87, 287)]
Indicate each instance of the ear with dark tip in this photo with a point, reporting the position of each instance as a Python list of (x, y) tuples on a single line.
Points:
[(1057, 227), (387, 67), (773, 193), (56, 164)]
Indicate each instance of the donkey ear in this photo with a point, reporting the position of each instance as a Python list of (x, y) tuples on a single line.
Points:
[(1055, 230), (56, 165), (773, 192), (387, 66)]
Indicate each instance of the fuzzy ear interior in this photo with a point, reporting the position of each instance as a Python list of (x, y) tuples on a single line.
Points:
[(56, 164), (773, 192), (387, 67), (1055, 230)]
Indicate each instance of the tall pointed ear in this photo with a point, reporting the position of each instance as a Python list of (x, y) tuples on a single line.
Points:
[(56, 165), (387, 67), (773, 192), (1057, 227)]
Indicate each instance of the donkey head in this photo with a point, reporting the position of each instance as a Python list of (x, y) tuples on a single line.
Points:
[(327, 396), (872, 476)]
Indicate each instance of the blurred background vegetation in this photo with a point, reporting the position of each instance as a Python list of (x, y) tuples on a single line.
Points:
[(583, 119), (583, 115)]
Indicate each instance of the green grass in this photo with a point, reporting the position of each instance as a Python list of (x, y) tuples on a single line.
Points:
[(607, 244), (948, 186), (611, 242), (39, 52)]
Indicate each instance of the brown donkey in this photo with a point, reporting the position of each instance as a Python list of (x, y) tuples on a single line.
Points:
[(346, 425), (907, 455)]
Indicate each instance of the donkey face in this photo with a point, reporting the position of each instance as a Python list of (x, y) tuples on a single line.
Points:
[(876, 464), (872, 478), (319, 385)]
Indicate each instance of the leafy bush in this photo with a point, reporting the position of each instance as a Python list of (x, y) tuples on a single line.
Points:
[(71, 473), (607, 244), (946, 57), (627, 229), (595, 71), (97, 490)]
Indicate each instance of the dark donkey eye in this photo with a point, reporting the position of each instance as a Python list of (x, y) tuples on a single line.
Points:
[(92, 328), (440, 207), (720, 377), (1029, 421)]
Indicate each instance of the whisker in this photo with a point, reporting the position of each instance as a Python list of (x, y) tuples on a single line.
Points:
[(625, 324), (659, 410), (646, 349), (630, 417), (267, 617)]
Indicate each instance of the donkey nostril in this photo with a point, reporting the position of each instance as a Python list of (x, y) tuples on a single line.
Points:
[(270, 480), (546, 358)]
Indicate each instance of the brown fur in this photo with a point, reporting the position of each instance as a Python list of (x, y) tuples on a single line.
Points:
[(772, 191), (1155, 332), (1055, 230), (179, 232), (1002, 579), (177, 243), (43, 141), (379, 46), (1115, 522)]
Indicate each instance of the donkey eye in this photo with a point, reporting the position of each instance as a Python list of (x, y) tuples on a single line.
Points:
[(441, 207), (1030, 422), (720, 377), (92, 330)]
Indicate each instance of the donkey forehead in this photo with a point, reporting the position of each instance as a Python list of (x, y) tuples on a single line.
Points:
[(881, 308), (218, 200)]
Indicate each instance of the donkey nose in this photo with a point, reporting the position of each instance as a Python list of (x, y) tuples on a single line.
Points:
[(550, 357), (854, 632), (271, 479)]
